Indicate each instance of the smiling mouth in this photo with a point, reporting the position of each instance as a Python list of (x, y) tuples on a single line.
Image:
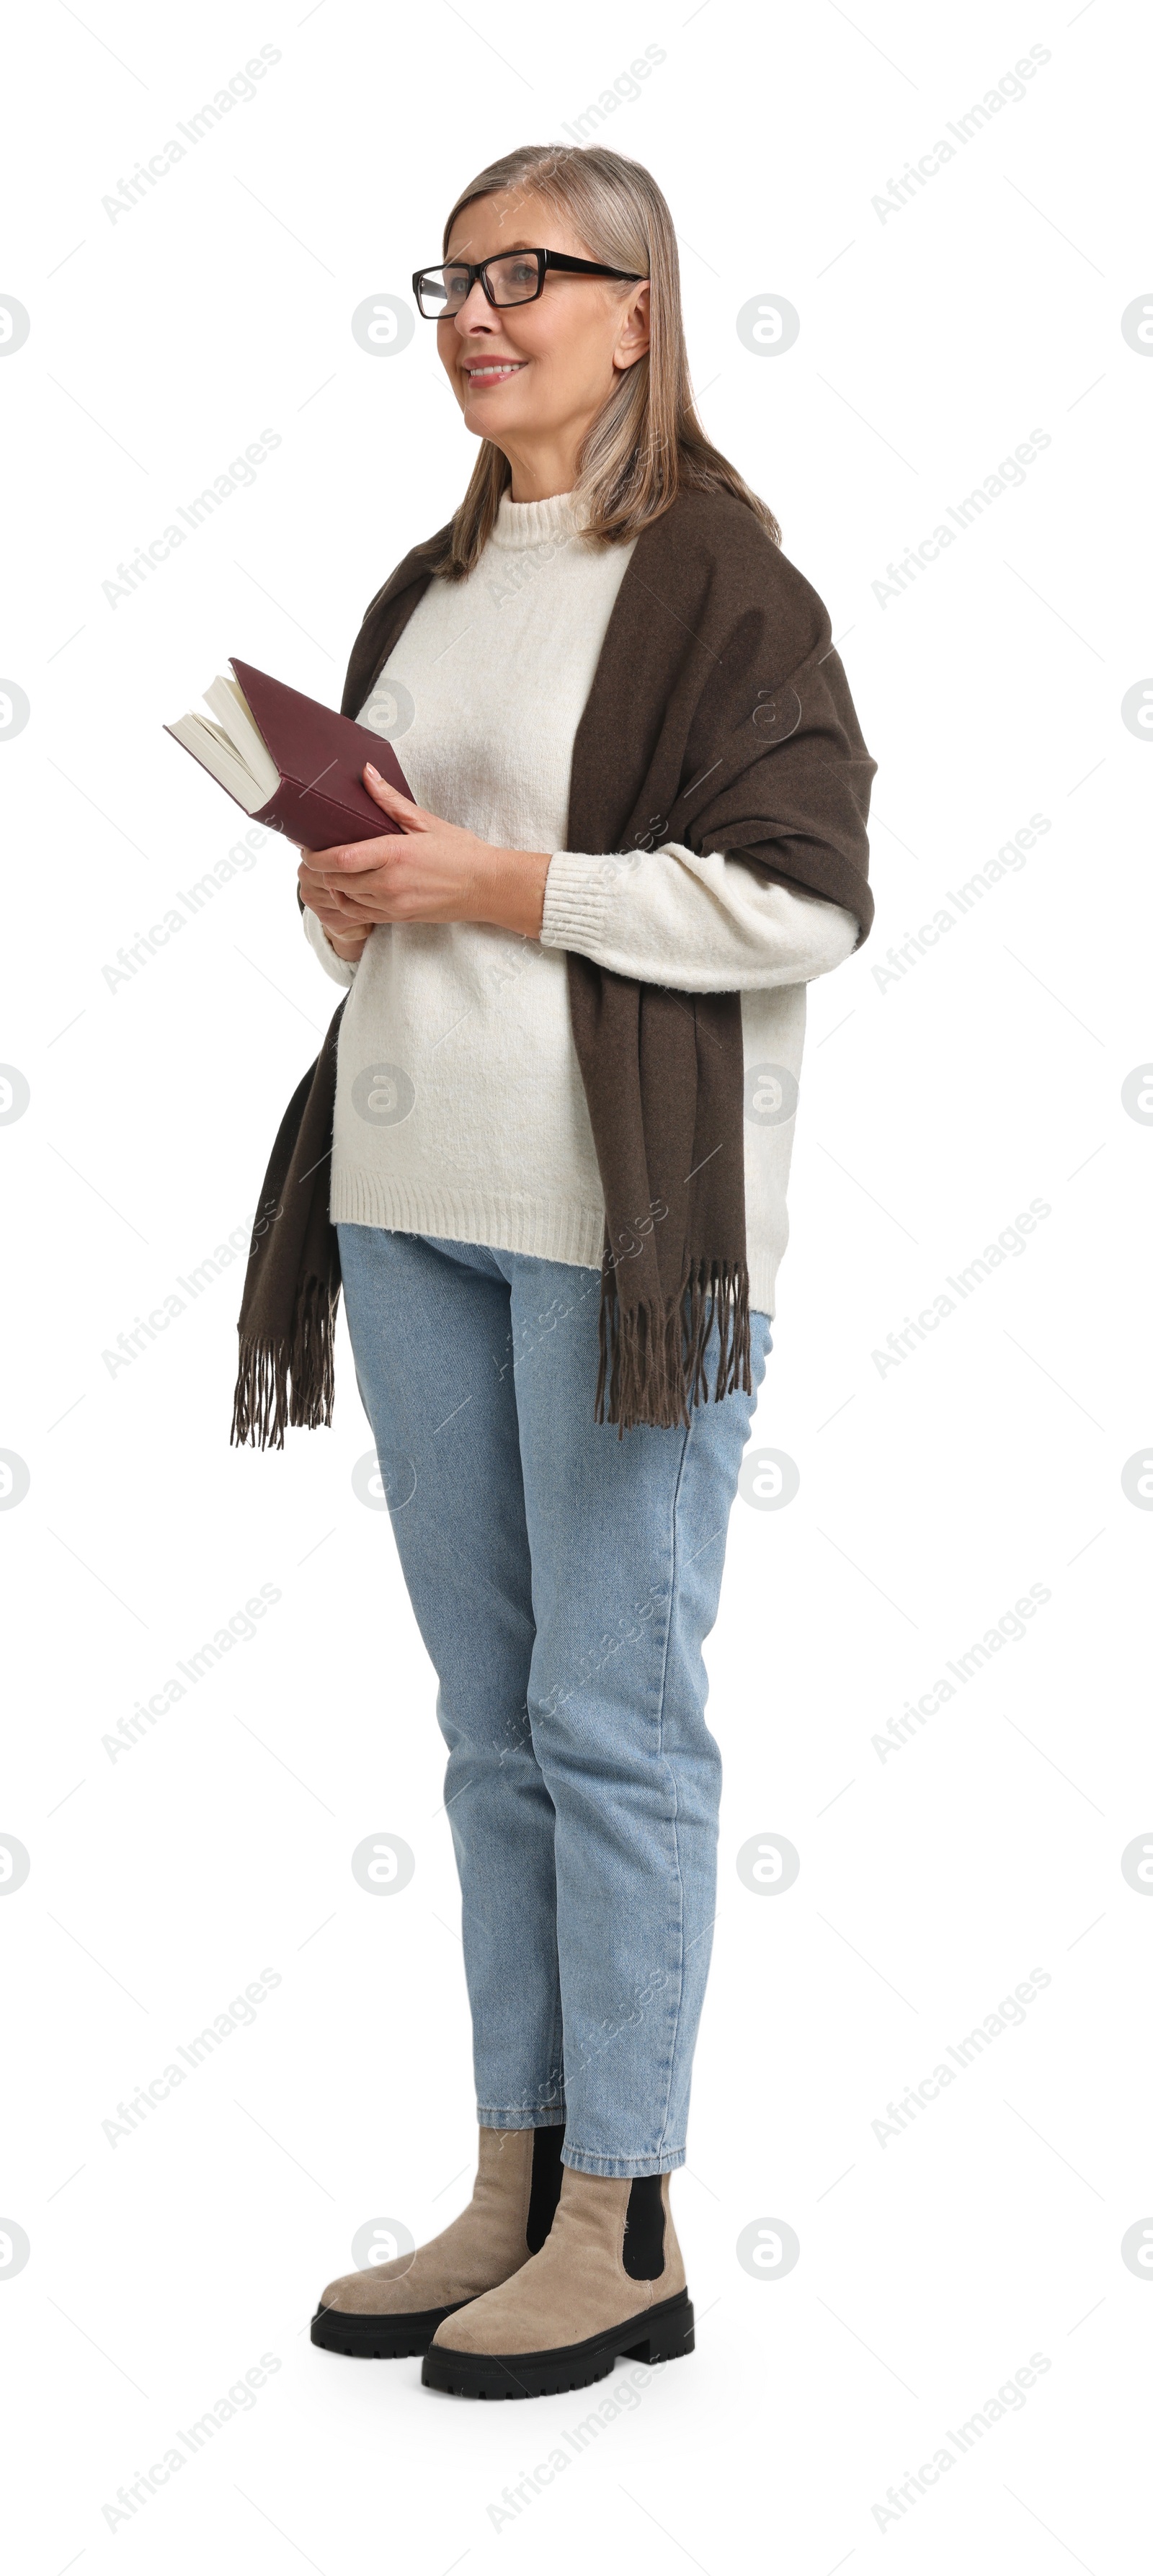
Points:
[(494, 371)]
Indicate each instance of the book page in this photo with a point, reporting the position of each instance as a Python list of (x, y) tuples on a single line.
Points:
[(228, 702), (215, 753)]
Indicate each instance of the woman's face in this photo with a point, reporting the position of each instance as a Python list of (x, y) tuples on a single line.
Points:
[(532, 374)]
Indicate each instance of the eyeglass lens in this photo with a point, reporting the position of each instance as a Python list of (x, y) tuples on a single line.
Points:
[(512, 281)]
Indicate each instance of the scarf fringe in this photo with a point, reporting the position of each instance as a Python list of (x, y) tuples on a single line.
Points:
[(653, 1357), (288, 1381)]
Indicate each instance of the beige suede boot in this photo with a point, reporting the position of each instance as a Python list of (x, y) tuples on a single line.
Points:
[(609, 2279), (394, 2308)]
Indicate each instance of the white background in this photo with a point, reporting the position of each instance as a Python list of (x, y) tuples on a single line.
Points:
[(988, 1075)]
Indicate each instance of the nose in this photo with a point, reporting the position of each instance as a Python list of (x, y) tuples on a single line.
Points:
[(476, 313)]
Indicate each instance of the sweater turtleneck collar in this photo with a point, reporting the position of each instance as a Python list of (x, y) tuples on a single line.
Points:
[(534, 523)]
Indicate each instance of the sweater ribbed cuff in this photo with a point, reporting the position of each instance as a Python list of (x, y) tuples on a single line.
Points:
[(576, 901)]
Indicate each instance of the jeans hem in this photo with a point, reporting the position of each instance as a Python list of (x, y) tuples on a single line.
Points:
[(623, 2168), (546, 2117)]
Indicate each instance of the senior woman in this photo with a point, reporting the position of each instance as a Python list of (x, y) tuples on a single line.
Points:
[(564, 1079)]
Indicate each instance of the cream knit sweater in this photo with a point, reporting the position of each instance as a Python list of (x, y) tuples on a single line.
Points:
[(460, 1109)]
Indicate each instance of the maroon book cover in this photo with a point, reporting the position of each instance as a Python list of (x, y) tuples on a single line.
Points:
[(322, 799)]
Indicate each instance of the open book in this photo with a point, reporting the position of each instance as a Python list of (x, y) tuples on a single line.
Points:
[(288, 761), (232, 748)]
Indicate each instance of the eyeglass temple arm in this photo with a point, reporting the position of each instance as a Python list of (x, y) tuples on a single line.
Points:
[(591, 267)]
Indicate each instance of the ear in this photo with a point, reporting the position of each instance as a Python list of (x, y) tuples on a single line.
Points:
[(633, 335)]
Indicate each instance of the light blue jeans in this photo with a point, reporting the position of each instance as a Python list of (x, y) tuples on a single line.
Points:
[(563, 1582)]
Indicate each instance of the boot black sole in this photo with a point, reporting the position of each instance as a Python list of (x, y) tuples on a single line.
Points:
[(385, 2338), (661, 2334)]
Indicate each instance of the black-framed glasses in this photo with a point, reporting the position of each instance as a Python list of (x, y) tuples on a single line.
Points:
[(511, 277)]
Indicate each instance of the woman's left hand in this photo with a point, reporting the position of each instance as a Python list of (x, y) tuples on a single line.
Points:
[(429, 871)]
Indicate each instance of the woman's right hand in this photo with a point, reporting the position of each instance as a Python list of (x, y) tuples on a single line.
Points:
[(350, 949), (347, 940)]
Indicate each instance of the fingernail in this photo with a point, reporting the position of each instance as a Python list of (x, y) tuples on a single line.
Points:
[(372, 773)]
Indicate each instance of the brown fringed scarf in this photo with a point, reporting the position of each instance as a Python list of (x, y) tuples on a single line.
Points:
[(719, 717)]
